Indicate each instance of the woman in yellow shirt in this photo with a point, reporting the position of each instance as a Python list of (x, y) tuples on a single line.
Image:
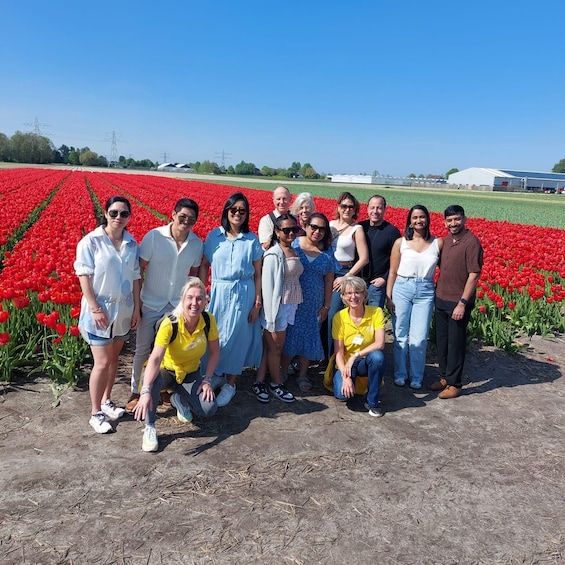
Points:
[(358, 332), (175, 360)]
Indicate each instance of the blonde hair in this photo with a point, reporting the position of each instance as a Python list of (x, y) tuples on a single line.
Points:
[(190, 283), (357, 283)]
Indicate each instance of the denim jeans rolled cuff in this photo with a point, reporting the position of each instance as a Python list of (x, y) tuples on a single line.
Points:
[(373, 366)]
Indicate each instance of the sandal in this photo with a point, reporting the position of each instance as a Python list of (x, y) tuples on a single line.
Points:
[(304, 384)]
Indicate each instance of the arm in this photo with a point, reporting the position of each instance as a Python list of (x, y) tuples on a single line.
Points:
[(213, 360), (328, 288), (362, 253), (149, 376), (136, 318), (392, 273), (468, 291), (98, 315), (204, 270), (252, 318), (348, 386)]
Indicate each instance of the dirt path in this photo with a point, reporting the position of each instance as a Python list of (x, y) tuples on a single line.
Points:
[(479, 479)]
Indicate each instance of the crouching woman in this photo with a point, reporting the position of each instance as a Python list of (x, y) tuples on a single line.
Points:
[(174, 363), (358, 332)]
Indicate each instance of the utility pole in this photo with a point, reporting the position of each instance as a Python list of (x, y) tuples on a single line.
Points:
[(164, 155), (223, 155)]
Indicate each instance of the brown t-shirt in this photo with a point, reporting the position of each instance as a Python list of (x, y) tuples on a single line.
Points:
[(457, 260)]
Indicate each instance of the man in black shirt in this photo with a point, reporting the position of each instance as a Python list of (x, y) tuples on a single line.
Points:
[(381, 236)]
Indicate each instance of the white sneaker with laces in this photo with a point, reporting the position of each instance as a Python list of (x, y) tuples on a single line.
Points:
[(150, 441), (184, 414), (100, 424), (112, 411), (227, 392)]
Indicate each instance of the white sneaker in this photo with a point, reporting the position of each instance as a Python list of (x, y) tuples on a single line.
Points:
[(100, 424), (150, 442), (226, 394), (112, 411), (184, 414)]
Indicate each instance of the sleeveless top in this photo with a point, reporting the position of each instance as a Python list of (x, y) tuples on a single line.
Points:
[(420, 265), (344, 244), (292, 291)]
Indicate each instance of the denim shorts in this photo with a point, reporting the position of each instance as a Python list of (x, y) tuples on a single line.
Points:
[(92, 339), (286, 318)]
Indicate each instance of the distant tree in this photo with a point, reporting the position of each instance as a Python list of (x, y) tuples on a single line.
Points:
[(145, 163), (451, 171), (559, 167), (195, 166), (209, 167), (231, 170), (268, 171), (411, 176), (244, 168), (421, 176), (293, 170), (309, 172), (31, 148), (122, 160), (74, 156), (89, 159), (5, 148)]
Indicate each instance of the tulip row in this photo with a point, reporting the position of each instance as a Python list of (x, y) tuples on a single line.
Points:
[(521, 290)]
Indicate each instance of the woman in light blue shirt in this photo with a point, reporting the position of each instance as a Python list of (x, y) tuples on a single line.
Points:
[(107, 265)]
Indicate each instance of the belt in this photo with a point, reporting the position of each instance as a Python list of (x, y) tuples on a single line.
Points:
[(346, 263), (416, 279)]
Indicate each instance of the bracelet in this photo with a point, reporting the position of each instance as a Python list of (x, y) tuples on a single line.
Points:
[(326, 308), (97, 310), (257, 303), (206, 379), (145, 390)]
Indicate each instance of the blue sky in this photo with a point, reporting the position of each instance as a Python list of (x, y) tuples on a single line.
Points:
[(351, 87)]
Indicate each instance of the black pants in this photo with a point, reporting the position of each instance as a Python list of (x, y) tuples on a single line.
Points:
[(451, 340)]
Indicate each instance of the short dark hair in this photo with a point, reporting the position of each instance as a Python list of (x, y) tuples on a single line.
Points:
[(454, 210), (187, 203), (377, 196), (236, 197), (409, 230)]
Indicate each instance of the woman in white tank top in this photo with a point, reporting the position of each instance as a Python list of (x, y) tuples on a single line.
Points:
[(410, 295)]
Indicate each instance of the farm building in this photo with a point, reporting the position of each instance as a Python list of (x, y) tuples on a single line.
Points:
[(509, 180), (176, 167)]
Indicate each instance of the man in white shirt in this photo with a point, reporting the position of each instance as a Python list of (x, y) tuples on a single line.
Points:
[(281, 200), (168, 255)]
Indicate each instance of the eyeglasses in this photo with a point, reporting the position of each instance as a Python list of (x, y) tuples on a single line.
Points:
[(347, 206), (352, 293), (240, 211), (122, 213), (288, 231), (184, 219), (314, 227)]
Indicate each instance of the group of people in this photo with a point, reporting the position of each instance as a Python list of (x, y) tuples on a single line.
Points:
[(271, 297)]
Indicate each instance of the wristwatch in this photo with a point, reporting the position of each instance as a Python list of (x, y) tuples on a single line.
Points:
[(357, 355), (463, 301)]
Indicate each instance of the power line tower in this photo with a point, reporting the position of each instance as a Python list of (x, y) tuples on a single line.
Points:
[(36, 126), (223, 156), (113, 137), (164, 155)]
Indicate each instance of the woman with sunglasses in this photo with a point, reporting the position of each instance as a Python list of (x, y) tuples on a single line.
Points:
[(235, 255), (350, 250), (107, 265), (410, 295), (303, 338), (281, 296)]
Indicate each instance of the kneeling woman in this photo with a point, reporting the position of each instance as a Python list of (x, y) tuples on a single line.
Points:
[(175, 361), (359, 337)]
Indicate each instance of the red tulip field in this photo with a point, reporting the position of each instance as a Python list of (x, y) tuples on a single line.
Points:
[(46, 212)]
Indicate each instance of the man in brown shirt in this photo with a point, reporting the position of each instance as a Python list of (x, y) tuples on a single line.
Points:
[(461, 262)]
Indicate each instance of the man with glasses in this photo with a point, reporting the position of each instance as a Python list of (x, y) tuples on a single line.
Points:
[(168, 255), (380, 236), (281, 200)]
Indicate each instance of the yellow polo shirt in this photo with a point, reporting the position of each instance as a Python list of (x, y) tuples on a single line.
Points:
[(184, 354)]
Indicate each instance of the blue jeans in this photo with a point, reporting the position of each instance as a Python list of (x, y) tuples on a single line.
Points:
[(377, 295), (413, 302), (186, 391), (336, 304), (372, 366)]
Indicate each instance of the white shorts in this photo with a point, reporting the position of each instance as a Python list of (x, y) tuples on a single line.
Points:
[(286, 318)]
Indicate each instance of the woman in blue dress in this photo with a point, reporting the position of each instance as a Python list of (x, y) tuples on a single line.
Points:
[(235, 255), (303, 338)]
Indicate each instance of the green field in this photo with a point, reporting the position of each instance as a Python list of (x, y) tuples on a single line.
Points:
[(537, 209)]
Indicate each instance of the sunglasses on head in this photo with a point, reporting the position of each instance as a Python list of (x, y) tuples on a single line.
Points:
[(288, 231), (315, 227), (240, 211), (122, 213), (347, 206)]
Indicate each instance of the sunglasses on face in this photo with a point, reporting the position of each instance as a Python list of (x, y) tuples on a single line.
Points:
[(288, 231), (240, 211), (184, 219), (347, 206), (314, 227), (122, 213)]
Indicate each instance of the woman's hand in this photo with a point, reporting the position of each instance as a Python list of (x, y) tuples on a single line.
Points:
[(390, 305), (323, 313), (143, 407), (207, 393), (100, 320), (254, 314), (348, 387), (135, 319), (337, 283)]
